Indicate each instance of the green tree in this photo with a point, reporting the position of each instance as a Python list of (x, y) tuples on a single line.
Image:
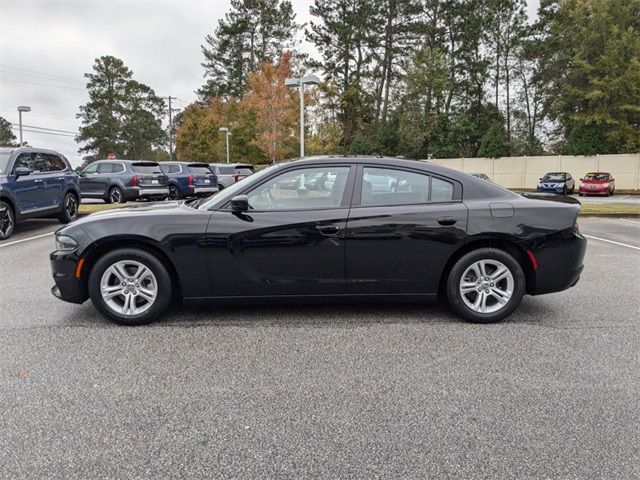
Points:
[(495, 142), (585, 139), (7, 138), (253, 31), (594, 79), (122, 116)]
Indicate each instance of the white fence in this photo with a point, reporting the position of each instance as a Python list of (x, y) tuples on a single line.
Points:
[(524, 172)]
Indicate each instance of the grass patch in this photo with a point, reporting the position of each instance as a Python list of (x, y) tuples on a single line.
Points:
[(609, 209), (88, 208)]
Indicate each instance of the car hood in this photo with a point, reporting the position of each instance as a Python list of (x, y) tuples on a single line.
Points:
[(136, 211), (595, 182)]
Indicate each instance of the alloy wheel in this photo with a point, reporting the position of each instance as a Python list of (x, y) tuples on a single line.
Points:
[(71, 206), (486, 286), (115, 195), (129, 287), (6, 222)]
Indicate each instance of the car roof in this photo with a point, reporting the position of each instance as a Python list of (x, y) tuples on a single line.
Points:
[(27, 150), (231, 164), (125, 161)]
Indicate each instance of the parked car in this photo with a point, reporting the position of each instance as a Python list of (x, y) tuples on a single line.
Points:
[(193, 179), (35, 183), (119, 181), (597, 183), (446, 234), (557, 182), (230, 173), (483, 176)]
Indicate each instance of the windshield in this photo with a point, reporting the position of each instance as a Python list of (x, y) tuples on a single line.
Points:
[(554, 176), (146, 168), (230, 192), (596, 176), (4, 162)]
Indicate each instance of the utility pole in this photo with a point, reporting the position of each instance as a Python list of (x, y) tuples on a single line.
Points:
[(169, 98), (22, 108)]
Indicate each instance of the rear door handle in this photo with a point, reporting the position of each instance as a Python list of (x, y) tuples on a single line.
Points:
[(328, 230), (446, 221)]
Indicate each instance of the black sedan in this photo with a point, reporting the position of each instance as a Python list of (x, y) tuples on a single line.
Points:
[(373, 229)]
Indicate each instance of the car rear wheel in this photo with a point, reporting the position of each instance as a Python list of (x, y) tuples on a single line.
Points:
[(69, 208), (7, 221), (116, 195), (174, 194), (130, 286), (485, 285)]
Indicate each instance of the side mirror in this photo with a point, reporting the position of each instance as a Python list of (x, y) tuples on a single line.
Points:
[(22, 171), (540, 178), (582, 179), (240, 203)]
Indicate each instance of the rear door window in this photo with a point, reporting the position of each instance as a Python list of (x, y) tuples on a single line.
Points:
[(55, 163), (244, 170), (105, 167), (441, 190), (226, 170), (386, 186)]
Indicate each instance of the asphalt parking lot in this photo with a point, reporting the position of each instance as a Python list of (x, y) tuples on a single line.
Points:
[(324, 391)]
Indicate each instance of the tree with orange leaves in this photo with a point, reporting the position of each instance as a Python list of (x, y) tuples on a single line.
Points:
[(275, 107)]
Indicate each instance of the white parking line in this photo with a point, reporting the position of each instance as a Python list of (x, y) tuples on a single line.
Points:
[(611, 241), (630, 221), (25, 240)]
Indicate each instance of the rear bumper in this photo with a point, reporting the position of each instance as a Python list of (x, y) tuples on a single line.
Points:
[(204, 190), (560, 262), (142, 192), (67, 287)]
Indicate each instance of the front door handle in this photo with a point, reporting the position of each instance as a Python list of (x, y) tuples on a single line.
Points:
[(328, 230), (446, 221)]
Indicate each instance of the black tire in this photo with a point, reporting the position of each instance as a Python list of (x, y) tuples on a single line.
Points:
[(164, 286), (174, 193), (454, 296), (115, 195), (220, 187), (564, 190), (7, 220), (572, 190), (70, 206)]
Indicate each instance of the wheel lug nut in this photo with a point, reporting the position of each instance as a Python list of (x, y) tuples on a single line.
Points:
[(124, 284), (479, 289), (491, 284)]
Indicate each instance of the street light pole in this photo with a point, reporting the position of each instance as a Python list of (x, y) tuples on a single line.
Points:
[(226, 135), (301, 82), (22, 108)]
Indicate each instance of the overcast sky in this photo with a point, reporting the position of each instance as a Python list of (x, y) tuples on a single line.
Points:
[(46, 46)]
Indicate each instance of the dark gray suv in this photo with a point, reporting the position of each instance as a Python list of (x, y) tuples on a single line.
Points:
[(118, 181)]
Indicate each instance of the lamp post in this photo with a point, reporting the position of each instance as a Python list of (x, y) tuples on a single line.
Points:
[(227, 133), (22, 108), (301, 82)]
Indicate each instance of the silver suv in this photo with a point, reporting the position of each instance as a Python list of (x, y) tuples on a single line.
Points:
[(230, 173)]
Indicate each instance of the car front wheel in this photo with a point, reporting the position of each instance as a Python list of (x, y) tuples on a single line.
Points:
[(485, 285), (130, 286), (7, 221)]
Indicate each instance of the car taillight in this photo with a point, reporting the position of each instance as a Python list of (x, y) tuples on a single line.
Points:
[(235, 178), (135, 181), (190, 180)]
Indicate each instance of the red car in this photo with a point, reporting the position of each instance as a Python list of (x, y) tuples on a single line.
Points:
[(597, 183)]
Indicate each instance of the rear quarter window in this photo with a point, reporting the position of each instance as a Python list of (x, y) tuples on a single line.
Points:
[(200, 170)]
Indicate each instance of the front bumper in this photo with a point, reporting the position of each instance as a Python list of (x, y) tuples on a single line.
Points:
[(550, 190), (67, 287)]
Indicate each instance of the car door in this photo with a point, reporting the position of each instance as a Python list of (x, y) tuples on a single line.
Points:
[(27, 189), (53, 178), (89, 185), (403, 226), (290, 242)]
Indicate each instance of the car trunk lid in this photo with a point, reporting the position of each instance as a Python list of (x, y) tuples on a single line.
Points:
[(149, 174)]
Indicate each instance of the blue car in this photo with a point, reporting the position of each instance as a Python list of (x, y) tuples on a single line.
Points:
[(557, 182), (190, 179), (35, 183)]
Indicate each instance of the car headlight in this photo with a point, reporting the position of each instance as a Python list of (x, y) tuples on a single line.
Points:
[(65, 243), (605, 185)]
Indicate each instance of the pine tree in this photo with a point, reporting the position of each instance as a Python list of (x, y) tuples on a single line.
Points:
[(7, 137), (122, 116), (252, 32)]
